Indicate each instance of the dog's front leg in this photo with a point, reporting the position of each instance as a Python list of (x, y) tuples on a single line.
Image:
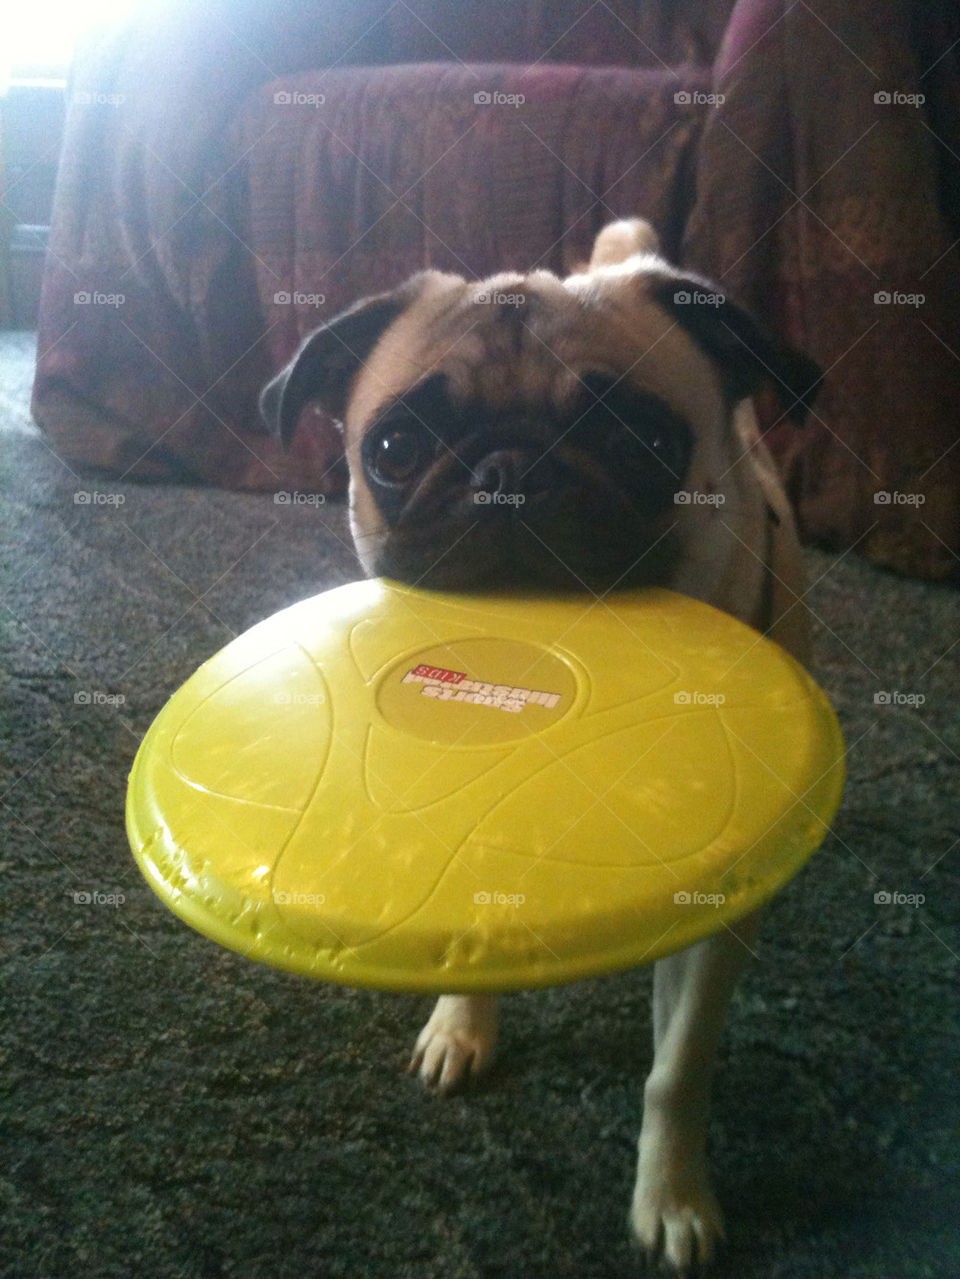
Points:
[(458, 1040), (675, 1215)]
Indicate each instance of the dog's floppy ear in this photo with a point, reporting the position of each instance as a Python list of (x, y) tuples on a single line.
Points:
[(747, 354), (324, 366)]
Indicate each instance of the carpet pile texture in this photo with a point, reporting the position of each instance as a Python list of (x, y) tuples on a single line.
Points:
[(171, 1109)]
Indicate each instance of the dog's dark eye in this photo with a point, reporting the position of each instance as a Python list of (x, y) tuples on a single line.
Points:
[(637, 447), (398, 452), (637, 432)]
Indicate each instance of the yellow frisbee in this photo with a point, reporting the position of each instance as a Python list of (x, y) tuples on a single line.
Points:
[(395, 788)]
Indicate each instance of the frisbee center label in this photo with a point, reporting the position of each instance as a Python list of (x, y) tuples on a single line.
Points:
[(477, 690), (456, 686)]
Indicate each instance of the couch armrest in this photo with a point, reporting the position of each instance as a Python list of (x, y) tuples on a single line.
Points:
[(819, 181)]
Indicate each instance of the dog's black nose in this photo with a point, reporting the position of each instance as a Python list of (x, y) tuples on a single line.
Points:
[(512, 473)]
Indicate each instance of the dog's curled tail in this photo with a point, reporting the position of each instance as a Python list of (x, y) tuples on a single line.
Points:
[(621, 240)]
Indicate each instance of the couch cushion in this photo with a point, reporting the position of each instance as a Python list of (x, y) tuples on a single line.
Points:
[(358, 178)]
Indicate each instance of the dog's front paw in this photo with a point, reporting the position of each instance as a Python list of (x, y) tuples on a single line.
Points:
[(675, 1217), (456, 1042)]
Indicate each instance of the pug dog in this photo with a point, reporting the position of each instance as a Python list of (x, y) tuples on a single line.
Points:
[(582, 434)]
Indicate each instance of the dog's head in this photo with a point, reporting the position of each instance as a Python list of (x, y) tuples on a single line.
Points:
[(528, 429)]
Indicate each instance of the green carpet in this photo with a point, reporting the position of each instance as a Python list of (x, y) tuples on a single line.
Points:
[(171, 1109)]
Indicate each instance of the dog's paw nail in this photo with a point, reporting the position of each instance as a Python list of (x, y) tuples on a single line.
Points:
[(677, 1220), (455, 1046)]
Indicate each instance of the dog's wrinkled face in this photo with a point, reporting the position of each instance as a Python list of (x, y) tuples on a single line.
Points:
[(566, 487), (529, 430)]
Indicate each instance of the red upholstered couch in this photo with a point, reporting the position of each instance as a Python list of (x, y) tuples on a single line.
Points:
[(234, 174)]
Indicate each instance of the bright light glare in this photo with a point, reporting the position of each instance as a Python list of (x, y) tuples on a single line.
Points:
[(45, 32)]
